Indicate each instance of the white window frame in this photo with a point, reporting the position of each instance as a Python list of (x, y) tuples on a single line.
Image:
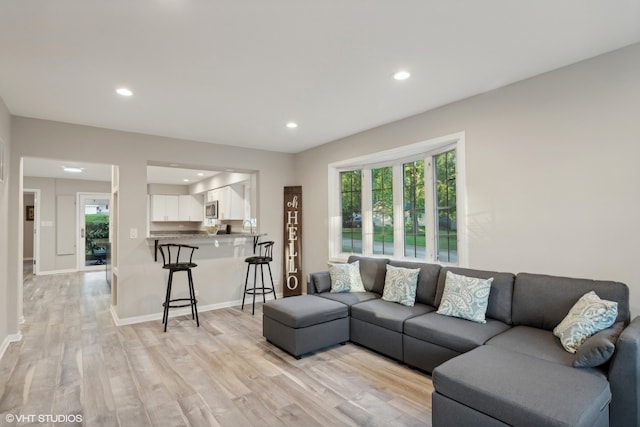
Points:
[(423, 150)]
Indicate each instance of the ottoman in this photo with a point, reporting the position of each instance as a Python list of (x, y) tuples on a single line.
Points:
[(305, 323)]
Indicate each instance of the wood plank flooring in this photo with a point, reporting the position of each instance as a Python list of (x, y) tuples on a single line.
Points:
[(73, 360)]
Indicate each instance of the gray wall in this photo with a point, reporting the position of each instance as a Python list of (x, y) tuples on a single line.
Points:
[(552, 172), (8, 294), (141, 282)]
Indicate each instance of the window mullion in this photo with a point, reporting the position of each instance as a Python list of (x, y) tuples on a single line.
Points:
[(367, 209), (431, 217), (398, 211)]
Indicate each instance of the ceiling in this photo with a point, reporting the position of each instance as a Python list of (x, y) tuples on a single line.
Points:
[(236, 71), (53, 168)]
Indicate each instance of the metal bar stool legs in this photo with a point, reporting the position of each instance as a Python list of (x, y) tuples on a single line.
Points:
[(265, 257), (194, 306), (174, 264)]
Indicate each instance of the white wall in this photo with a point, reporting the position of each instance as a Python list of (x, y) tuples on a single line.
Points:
[(552, 172), (141, 282)]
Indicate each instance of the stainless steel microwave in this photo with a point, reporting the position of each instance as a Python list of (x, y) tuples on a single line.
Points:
[(211, 209)]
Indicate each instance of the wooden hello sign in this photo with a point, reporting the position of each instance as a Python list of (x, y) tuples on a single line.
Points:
[(292, 256)]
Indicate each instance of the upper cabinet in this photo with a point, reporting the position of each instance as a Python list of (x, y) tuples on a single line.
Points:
[(231, 201), (191, 208), (165, 207), (177, 208)]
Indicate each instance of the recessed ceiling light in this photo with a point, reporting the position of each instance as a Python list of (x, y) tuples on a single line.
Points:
[(402, 75), (186, 180), (123, 91), (292, 125), (200, 174), (72, 170)]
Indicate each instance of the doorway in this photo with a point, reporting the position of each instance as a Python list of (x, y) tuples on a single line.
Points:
[(93, 230)]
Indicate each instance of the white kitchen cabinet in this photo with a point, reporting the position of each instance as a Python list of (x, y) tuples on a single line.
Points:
[(165, 207), (236, 201), (191, 208), (230, 201)]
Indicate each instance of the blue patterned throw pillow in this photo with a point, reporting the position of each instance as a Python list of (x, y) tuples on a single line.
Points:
[(346, 277), (588, 316), (400, 285), (465, 297)]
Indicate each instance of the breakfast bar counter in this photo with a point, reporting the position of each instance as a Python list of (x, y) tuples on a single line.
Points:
[(200, 238)]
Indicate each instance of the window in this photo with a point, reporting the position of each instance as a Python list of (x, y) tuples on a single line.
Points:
[(350, 196), (415, 242), (447, 241), (404, 203), (382, 210)]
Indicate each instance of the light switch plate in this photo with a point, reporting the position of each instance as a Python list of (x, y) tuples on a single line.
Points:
[(133, 233)]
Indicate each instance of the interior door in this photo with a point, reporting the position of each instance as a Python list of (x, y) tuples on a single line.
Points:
[(93, 230)]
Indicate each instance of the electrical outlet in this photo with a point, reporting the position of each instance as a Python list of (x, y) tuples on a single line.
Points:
[(133, 233), (196, 292)]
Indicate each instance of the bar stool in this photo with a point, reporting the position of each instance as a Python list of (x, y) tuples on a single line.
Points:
[(264, 257), (173, 262)]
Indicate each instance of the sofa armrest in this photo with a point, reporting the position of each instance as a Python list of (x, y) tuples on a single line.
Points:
[(318, 282), (624, 378)]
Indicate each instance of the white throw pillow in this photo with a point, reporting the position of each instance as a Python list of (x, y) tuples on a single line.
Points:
[(346, 277), (465, 297), (400, 285), (587, 316)]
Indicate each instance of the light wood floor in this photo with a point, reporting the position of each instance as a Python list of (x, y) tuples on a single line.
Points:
[(73, 360)]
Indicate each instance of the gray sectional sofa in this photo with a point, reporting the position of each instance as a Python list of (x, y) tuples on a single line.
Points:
[(511, 370)]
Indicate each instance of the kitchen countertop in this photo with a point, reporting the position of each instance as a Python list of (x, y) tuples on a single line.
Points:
[(202, 236), (172, 235)]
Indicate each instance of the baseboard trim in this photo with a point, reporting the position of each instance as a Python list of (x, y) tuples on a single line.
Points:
[(173, 312), (8, 340), (46, 273)]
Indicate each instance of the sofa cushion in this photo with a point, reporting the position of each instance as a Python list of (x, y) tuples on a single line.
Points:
[(427, 280), (349, 298), (319, 282), (522, 390), (590, 314), (372, 271), (499, 305), (304, 310), (385, 314), (346, 277), (533, 342), (598, 349), (465, 297), (400, 285), (451, 332), (543, 301)]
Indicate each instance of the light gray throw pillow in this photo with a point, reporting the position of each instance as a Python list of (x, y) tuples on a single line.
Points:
[(589, 315), (465, 297), (400, 285), (346, 277)]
